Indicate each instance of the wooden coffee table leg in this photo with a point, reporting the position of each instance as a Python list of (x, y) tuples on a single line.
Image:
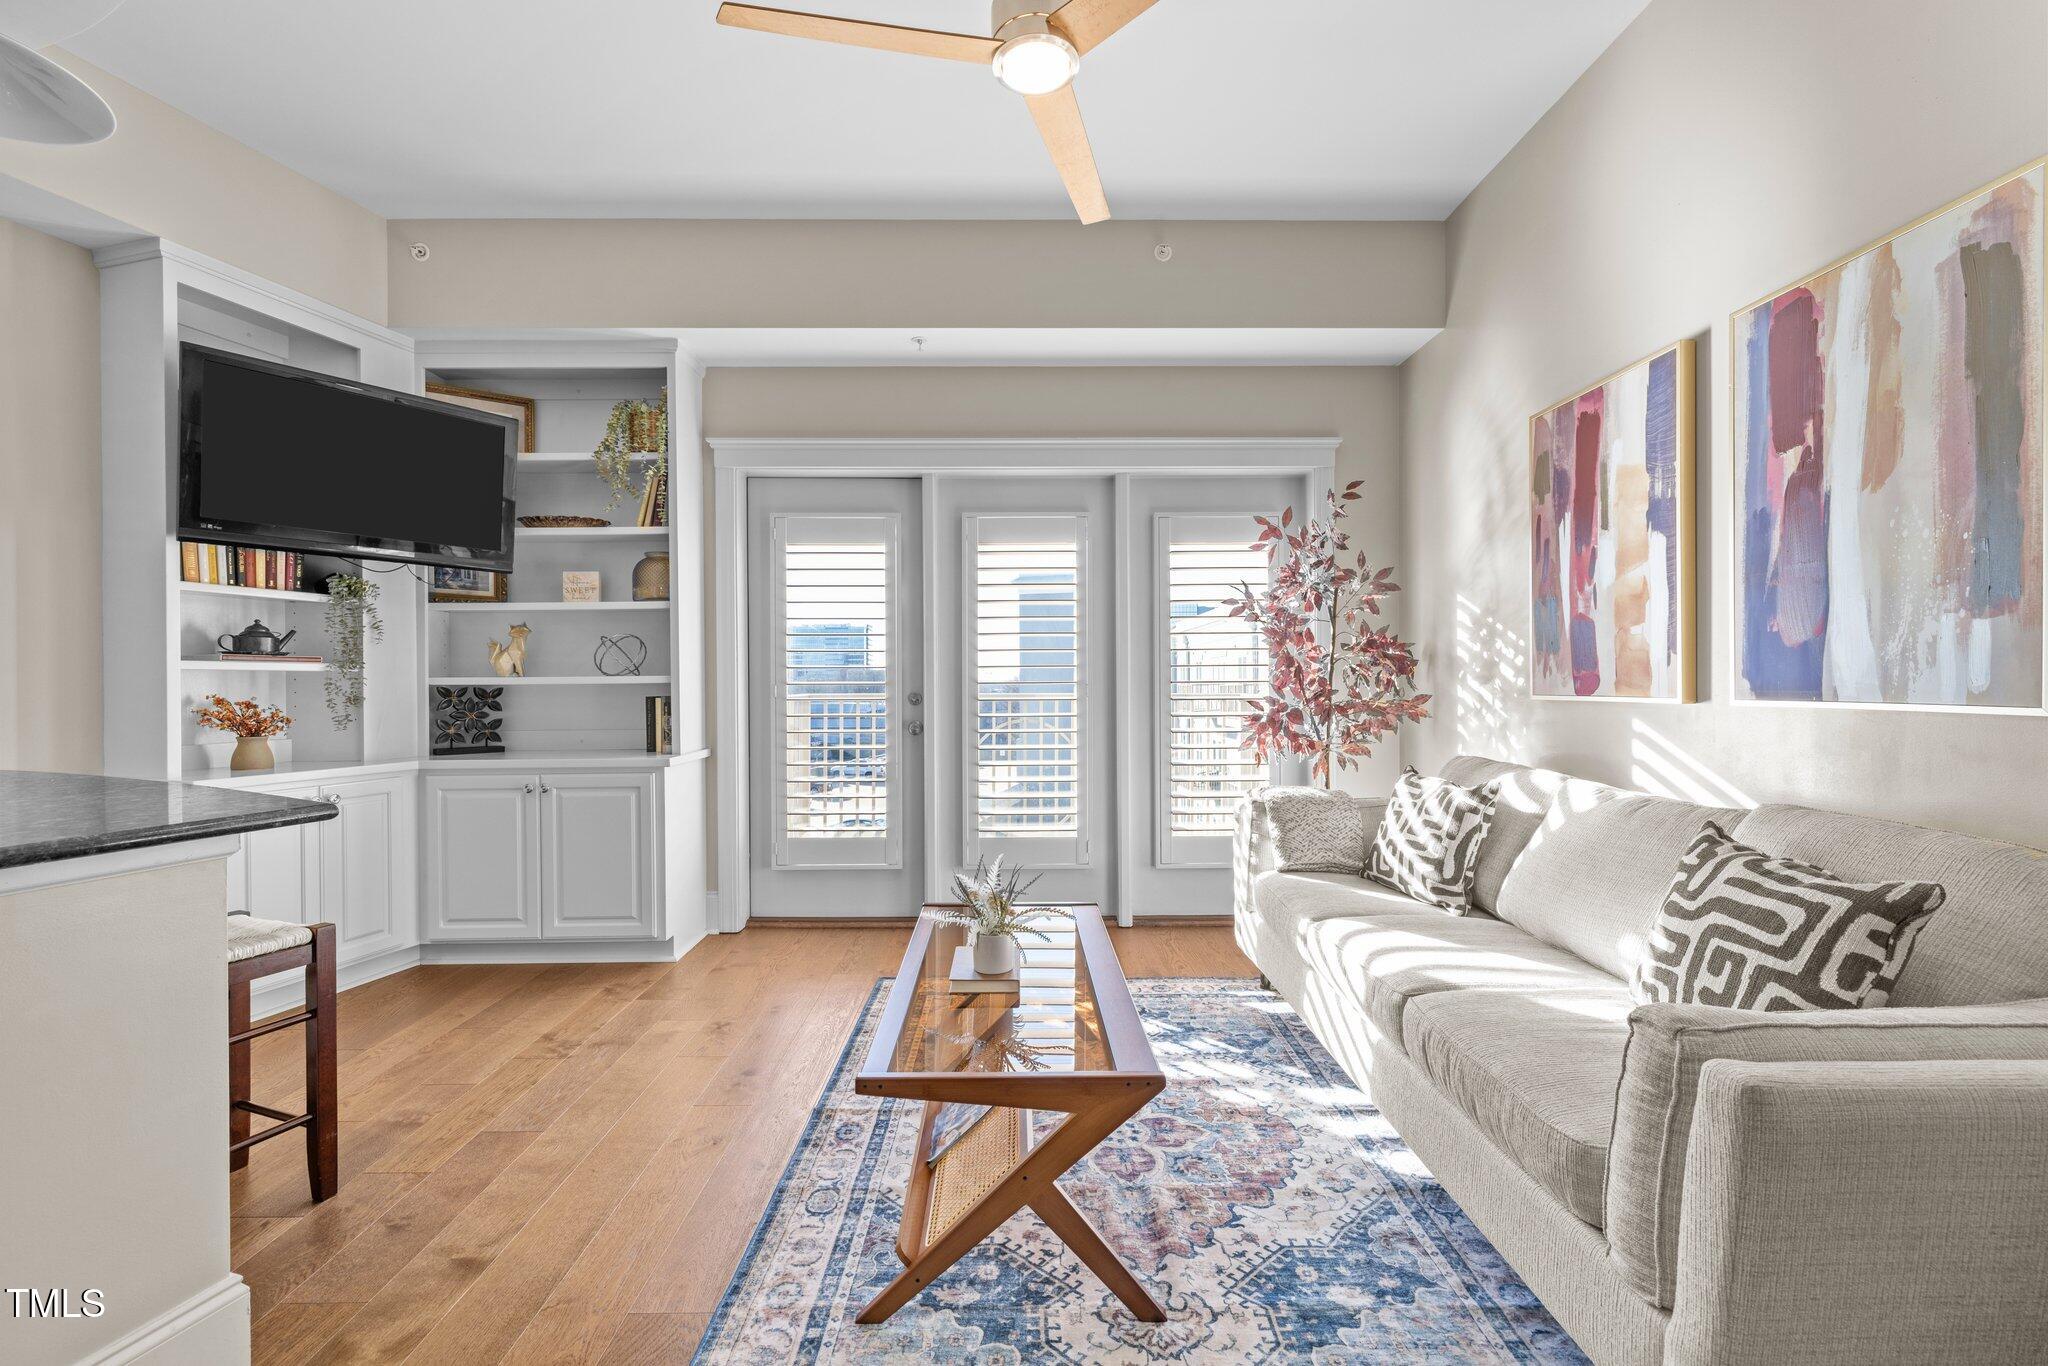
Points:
[(1073, 1229), (1028, 1184)]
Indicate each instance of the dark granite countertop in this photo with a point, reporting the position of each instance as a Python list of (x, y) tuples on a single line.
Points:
[(48, 816)]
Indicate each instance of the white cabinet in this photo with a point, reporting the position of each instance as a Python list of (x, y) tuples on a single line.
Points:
[(369, 866), (543, 856), (276, 874), (597, 855), (483, 857), (359, 870)]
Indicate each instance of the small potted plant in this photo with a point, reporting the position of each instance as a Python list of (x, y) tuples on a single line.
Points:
[(252, 725), (991, 912)]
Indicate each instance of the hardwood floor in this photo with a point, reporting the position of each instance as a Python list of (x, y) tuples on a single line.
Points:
[(564, 1163)]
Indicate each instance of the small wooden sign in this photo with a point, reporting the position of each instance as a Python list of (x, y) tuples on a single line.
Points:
[(581, 585)]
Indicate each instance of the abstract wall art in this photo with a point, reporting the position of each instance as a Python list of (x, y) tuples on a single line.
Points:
[(1611, 537), (1888, 450)]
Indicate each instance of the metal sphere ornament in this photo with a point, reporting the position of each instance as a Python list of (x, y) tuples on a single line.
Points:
[(619, 656)]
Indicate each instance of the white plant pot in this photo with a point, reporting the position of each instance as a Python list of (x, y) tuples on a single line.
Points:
[(995, 955)]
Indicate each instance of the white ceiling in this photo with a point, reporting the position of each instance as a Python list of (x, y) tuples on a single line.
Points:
[(539, 108)]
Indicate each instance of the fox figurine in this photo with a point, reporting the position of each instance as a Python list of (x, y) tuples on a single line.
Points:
[(509, 660)]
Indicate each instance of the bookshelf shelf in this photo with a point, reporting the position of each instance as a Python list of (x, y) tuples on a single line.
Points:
[(503, 607), (553, 680), (258, 666), (572, 458), (226, 590), (590, 533)]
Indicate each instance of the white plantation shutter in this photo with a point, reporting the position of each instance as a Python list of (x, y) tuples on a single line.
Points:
[(1213, 665), (1027, 670), (836, 689)]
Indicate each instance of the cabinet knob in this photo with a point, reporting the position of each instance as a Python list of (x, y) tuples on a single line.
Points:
[(529, 789), (333, 798), (545, 789)]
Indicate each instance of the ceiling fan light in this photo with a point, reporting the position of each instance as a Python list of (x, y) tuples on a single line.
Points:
[(1036, 63)]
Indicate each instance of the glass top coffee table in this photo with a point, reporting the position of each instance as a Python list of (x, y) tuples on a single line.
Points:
[(1017, 1088)]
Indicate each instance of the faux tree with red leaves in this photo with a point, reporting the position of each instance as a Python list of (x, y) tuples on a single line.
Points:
[(1340, 682)]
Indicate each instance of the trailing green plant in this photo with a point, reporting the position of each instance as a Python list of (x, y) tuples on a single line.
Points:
[(634, 428), (352, 621), (991, 902)]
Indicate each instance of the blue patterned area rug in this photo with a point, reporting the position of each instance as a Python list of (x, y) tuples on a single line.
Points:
[(1261, 1198)]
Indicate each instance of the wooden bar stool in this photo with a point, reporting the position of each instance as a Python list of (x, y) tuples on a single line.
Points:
[(258, 948)]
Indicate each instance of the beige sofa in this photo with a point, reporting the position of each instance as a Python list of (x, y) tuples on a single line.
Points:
[(1692, 1183)]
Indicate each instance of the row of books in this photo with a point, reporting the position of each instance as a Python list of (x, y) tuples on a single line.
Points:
[(660, 740), (239, 566), (654, 501)]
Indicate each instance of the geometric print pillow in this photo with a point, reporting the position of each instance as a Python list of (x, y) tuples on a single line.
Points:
[(1427, 846), (1314, 830), (1742, 928)]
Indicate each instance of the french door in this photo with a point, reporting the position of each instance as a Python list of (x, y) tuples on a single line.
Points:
[(953, 669), (1026, 702), (835, 624)]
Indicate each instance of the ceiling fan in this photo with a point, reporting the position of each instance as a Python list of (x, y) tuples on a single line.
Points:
[(1036, 50)]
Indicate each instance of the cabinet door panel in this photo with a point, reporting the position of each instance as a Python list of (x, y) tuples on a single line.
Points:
[(483, 866), (366, 868), (280, 875), (597, 855)]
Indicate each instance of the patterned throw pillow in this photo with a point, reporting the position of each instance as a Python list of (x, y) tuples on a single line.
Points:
[(1428, 842), (1742, 928), (1314, 831)]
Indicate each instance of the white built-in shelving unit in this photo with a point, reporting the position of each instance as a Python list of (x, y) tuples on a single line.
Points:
[(564, 703), (577, 844), (160, 650)]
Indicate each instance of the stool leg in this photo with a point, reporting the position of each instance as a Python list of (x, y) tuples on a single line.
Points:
[(238, 1072), (323, 1135)]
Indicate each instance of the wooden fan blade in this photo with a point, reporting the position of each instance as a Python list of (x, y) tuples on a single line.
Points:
[(1058, 117), (1087, 22), (920, 42)]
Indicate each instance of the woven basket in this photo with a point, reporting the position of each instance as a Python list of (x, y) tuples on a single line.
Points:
[(557, 519)]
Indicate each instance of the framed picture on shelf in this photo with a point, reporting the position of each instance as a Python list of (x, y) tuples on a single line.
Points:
[(466, 585), (514, 406)]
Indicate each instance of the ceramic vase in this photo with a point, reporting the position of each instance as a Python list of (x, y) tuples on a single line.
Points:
[(995, 955), (252, 752), (650, 577)]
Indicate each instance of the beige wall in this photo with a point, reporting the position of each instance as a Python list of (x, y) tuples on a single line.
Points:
[(49, 504), (166, 174), (1357, 404), (649, 273), (1719, 149)]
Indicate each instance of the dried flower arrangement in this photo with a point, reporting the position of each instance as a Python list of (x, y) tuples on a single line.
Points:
[(247, 718), (1339, 682)]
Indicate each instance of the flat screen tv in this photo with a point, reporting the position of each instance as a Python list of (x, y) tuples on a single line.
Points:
[(286, 459)]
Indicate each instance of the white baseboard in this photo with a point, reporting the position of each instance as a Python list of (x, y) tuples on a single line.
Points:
[(287, 991), (555, 951), (210, 1329)]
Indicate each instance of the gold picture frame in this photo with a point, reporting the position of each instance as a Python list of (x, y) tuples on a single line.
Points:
[(515, 406), (1753, 680), (1555, 672), (467, 585)]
